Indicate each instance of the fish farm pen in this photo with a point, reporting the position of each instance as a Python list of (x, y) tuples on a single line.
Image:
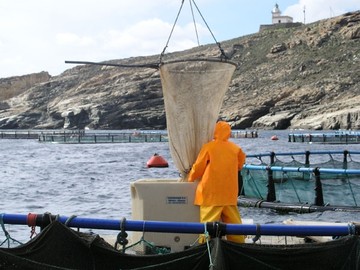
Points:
[(101, 136), (244, 134), (33, 133), (305, 185), (104, 138), (82, 136), (330, 138)]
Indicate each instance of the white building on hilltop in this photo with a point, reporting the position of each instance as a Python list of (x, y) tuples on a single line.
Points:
[(277, 18), (278, 21)]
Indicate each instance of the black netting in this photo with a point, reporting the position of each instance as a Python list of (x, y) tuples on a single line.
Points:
[(339, 254), (294, 184), (58, 247)]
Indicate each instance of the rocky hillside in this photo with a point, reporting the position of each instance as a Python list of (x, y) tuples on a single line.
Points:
[(301, 77)]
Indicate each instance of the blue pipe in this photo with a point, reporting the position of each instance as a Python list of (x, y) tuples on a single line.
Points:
[(196, 228), (326, 134), (290, 230), (323, 152), (300, 169), (278, 168)]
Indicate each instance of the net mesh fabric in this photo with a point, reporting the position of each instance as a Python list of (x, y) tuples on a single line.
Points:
[(295, 187), (193, 94), (59, 247)]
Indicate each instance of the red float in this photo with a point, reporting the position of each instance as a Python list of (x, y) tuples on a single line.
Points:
[(157, 162)]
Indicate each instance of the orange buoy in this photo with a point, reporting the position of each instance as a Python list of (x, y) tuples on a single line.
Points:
[(274, 138), (157, 161)]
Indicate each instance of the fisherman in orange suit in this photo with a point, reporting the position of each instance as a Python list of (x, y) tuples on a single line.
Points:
[(217, 167)]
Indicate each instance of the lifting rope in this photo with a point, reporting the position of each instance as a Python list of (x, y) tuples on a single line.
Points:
[(222, 53), (196, 32), (157, 65), (172, 30)]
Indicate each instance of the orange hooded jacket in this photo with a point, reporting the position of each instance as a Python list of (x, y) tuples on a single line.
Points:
[(217, 165)]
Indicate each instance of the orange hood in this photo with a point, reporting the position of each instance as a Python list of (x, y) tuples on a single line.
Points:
[(222, 131)]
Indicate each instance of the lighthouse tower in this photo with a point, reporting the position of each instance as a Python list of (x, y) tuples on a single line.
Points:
[(279, 21), (277, 18)]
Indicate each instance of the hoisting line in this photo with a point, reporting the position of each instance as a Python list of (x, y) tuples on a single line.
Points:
[(223, 55), (172, 30), (217, 43), (157, 65)]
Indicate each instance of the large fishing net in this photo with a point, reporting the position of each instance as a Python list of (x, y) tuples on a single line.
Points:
[(59, 247), (193, 94), (339, 188)]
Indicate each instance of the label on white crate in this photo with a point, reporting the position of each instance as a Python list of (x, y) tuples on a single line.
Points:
[(176, 200)]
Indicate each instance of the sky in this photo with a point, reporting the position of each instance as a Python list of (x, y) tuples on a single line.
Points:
[(39, 35)]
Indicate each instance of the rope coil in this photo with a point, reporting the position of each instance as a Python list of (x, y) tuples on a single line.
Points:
[(121, 238), (31, 222)]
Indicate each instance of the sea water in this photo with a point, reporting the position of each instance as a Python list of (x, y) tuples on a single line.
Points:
[(93, 180)]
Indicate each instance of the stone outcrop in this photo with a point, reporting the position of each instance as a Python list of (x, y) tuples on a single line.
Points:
[(10, 87), (302, 77)]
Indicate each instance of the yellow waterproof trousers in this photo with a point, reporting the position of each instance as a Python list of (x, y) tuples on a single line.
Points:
[(226, 214)]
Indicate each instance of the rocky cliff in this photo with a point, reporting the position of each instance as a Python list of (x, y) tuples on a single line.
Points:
[(301, 77)]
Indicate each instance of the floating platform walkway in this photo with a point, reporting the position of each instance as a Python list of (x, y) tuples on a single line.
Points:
[(244, 134), (345, 137), (35, 133), (23, 134), (101, 136), (140, 137)]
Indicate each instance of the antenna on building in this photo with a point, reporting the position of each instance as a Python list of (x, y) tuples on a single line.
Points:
[(304, 14)]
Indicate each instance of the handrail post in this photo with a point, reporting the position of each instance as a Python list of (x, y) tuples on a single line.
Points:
[(272, 158), (319, 198), (271, 196), (346, 152), (241, 190), (307, 158)]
